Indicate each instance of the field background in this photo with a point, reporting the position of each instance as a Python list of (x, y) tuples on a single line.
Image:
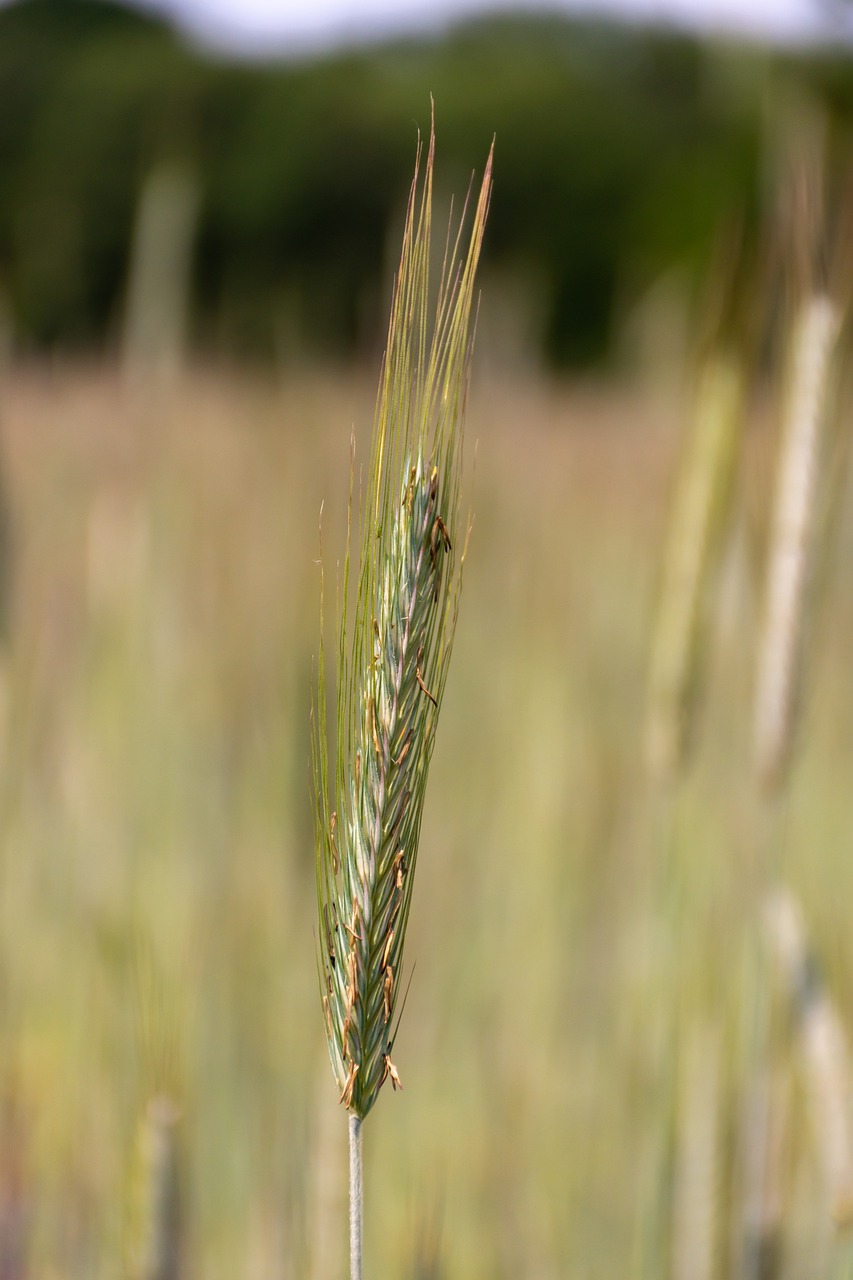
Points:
[(158, 908), (575, 1046)]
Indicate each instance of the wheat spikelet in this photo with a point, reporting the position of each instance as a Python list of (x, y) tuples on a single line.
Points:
[(392, 661)]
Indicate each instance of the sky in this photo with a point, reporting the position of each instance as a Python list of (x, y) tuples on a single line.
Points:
[(256, 26)]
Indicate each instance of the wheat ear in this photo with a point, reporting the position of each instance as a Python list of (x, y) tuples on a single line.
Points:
[(393, 660), (392, 663)]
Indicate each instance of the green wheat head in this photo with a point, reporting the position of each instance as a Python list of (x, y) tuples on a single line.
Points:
[(394, 652)]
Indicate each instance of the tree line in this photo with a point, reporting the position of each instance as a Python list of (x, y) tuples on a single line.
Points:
[(618, 154)]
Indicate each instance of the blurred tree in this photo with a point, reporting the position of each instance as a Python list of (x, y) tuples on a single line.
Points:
[(617, 155)]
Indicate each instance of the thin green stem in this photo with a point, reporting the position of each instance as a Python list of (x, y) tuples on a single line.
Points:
[(356, 1196)]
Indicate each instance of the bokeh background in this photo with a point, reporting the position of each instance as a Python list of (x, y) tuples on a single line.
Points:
[(197, 243)]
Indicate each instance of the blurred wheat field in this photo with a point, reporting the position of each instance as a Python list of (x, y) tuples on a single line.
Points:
[(158, 879)]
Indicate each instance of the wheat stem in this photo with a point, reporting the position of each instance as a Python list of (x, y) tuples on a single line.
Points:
[(155, 1252), (698, 524), (697, 1157), (356, 1194), (781, 645), (822, 1043)]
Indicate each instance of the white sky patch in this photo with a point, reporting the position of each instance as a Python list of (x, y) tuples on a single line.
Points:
[(282, 26)]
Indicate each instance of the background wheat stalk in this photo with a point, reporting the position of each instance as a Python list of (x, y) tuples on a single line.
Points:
[(816, 331), (801, 491), (819, 1030), (699, 521), (392, 663), (682, 1182)]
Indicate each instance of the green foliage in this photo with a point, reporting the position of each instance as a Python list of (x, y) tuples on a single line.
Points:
[(92, 112), (618, 153)]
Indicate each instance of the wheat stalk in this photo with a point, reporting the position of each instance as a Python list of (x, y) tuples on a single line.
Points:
[(155, 1239), (822, 1042), (697, 1159), (780, 652), (800, 493), (155, 1250), (698, 523), (392, 663)]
